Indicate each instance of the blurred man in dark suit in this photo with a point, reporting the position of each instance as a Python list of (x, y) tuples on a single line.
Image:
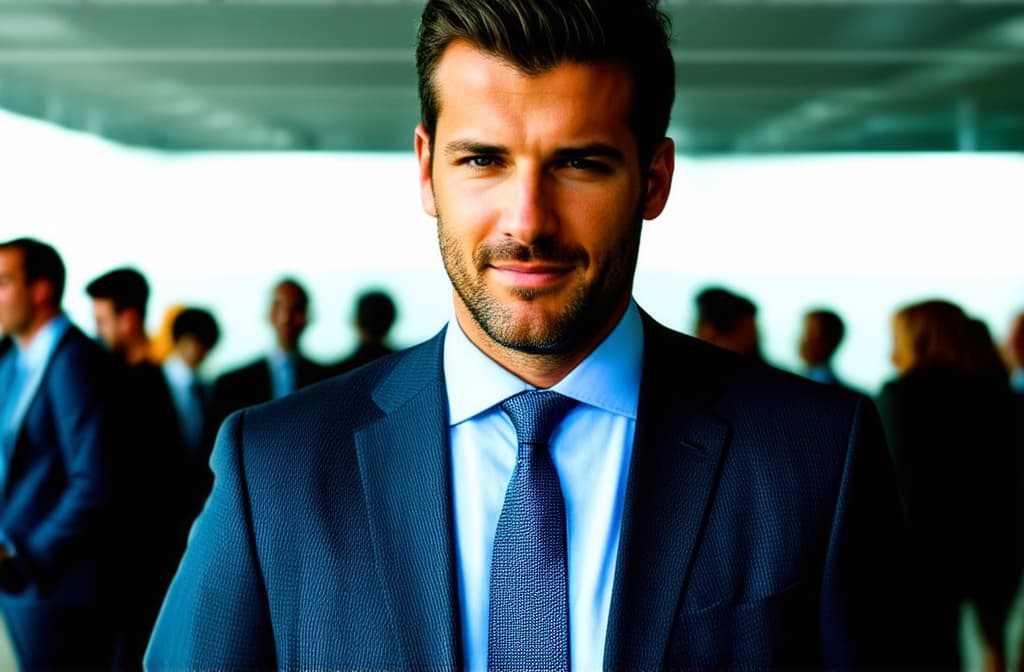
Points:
[(194, 332), (151, 467), (57, 435), (822, 332), (284, 370)]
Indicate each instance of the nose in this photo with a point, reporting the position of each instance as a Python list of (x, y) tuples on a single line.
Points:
[(528, 207)]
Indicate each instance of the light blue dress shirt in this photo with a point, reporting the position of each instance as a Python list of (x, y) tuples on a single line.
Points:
[(283, 372), (24, 371), (591, 451), (1017, 381), (186, 393)]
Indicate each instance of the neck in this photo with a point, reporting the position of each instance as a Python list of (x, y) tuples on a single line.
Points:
[(39, 320), (137, 352), (539, 370)]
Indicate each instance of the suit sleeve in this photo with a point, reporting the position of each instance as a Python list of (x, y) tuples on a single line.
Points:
[(216, 614), (866, 593), (78, 387)]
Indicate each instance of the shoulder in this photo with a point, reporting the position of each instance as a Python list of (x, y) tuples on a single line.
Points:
[(78, 355), (339, 405), (749, 395)]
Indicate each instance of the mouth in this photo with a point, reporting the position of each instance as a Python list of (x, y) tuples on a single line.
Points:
[(531, 275)]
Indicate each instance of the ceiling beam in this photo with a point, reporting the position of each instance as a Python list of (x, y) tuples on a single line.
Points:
[(801, 124)]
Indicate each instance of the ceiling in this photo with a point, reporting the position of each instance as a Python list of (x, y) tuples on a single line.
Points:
[(753, 77)]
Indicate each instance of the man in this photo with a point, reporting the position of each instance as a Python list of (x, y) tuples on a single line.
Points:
[(729, 321), (1015, 354), (56, 435), (152, 465), (284, 370), (119, 300), (823, 331), (702, 521), (195, 333), (375, 314)]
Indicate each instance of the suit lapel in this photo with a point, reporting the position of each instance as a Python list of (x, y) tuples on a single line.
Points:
[(404, 464), (677, 454)]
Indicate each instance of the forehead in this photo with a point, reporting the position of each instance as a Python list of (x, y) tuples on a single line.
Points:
[(287, 293), (103, 305), (12, 261), (478, 88)]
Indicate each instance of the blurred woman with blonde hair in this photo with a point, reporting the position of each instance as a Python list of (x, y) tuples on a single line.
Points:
[(948, 421)]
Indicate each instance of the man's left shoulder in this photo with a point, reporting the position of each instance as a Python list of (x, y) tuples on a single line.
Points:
[(736, 386)]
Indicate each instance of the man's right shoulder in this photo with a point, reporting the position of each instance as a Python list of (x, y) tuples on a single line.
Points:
[(343, 403)]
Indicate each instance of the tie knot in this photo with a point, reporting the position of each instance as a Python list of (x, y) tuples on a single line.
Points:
[(536, 413)]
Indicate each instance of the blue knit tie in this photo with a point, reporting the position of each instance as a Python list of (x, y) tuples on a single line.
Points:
[(529, 599)]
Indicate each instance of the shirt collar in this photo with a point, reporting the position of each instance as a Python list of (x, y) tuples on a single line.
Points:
[(38, 352), (609, 378), (178, 372), (279, 358)]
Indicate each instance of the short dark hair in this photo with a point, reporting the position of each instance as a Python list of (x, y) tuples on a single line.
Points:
[(299, 289), (42, 262), (832, 328), (126, 287), (723, 309), (375, 313), (537, 35), (197, 323)]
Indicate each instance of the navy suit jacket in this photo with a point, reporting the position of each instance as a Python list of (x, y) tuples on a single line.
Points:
[(759, 526), (55, 503)]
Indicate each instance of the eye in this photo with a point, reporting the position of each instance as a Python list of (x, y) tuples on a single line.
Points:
[(480, 161), (588, 165)]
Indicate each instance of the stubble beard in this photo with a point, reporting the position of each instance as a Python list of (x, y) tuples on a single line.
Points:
[(584, 312)]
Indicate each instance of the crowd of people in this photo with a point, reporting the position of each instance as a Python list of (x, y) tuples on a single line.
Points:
[(954, 423), (106, 473), (105, 449)]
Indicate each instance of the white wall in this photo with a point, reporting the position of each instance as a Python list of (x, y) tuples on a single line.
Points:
[(863, 234)]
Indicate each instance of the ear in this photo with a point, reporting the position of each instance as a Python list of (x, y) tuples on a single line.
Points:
[(41, 292), (659, 178), (130, 319), (423, 155)]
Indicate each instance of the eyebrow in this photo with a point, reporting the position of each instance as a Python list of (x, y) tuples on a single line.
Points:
[(589, 151), (473, 147), (595, 150)]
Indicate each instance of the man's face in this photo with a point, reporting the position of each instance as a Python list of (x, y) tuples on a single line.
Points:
[(811, 342), (16, 303), (1015, 344), (108, 323), (288, 315), (538, 193)]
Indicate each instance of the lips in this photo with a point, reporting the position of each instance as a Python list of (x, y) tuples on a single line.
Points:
[(531, 275)]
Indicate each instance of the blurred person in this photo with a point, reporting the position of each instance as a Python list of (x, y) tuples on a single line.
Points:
[(728, 320), (119, 300), (555, 481), (1015, 354), (151, 466), (375, 314), (823, 331), (949, 429), (987, 361), (284, 370), (195, 332), (57, 434)]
